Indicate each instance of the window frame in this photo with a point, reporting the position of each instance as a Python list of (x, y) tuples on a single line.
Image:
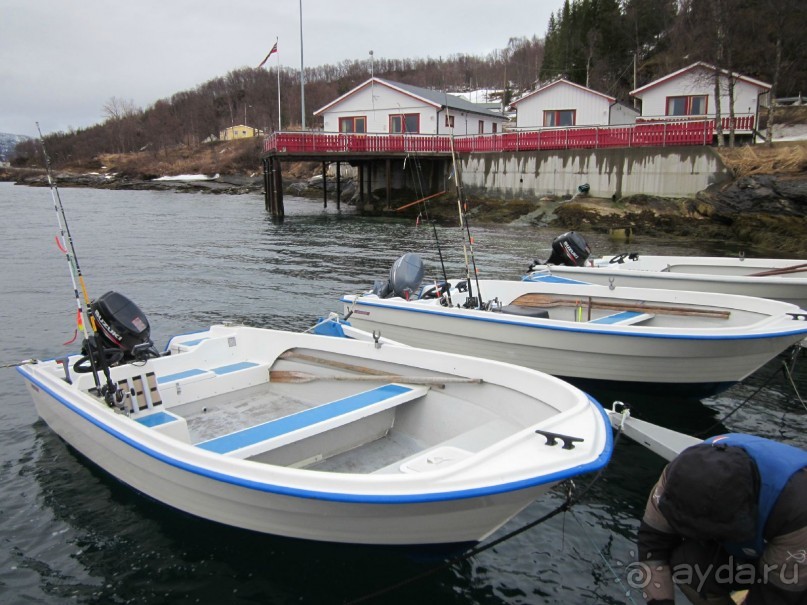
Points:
[(689, 101), (555, 117), (404, 121), (352, 120)]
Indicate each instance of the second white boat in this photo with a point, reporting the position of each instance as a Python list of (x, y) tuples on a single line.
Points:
[(688, 343)]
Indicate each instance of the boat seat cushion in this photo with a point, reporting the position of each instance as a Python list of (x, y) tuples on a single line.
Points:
[(623, 318), (288, 429)]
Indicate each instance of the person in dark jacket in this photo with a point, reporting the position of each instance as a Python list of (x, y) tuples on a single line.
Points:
[(727, 515)]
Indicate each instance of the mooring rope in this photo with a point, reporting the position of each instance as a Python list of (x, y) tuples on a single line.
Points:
[(789, 374), (599, 551), (571, 499), (705, 432), (24, 362)]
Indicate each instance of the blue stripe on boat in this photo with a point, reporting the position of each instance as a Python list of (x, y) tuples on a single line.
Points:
[(616, 317), (287, 424), (181, 375), (554, 279), (191, 343), (156, 419), (234, 367), (332, 496), (585, 327)]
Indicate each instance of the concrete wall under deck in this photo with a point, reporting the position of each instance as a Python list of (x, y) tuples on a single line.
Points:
[(663, 171)]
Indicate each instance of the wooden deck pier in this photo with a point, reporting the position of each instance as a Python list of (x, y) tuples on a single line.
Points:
[(381, 159), (423, 168)]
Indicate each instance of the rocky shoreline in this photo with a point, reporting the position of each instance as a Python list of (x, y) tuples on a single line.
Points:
[(766, 212), (226, 184)]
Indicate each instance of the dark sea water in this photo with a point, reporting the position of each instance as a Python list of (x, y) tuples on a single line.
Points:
[(71, 534)]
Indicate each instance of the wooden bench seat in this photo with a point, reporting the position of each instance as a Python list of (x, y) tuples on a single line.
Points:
[(313, 421)]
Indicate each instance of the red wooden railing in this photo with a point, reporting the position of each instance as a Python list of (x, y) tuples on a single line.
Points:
[(646, 133)]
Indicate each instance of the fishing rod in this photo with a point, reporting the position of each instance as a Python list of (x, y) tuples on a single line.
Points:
[(476, 302), (95, 355), (419, 186)]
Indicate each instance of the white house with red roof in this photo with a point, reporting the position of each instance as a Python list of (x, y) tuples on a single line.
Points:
[(689, 94), (563, 103), (380, 106)]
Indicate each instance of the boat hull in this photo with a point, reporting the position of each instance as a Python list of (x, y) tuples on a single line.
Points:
[(692, 363), (324, 506)]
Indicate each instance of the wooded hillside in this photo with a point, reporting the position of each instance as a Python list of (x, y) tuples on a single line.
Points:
[(609, 45)]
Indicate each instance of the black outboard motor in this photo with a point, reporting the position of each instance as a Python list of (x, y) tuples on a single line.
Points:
[(121, 322), (570, 249), (124, 332)]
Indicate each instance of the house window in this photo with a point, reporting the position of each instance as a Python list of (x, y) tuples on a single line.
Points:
[(353, 124), (560, 117), (449, 121), (495, 128), (481, 126), (694, 105), (404, 123)]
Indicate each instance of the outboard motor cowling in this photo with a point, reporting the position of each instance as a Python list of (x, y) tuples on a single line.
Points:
[(406, 275), (122, 325), (570, 249)]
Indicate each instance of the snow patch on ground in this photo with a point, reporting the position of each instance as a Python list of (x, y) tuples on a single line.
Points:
[(188, 177), (789, 132)]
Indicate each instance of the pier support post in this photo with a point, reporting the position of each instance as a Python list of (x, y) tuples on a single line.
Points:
[(360, 175), (338, 185), (324, 184), (389, 181), (280, 210), (267, 186)]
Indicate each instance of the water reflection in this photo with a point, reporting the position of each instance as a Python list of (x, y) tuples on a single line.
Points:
[(73, 533)]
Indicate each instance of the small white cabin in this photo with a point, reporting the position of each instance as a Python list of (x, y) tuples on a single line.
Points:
[(564, 104), (380, 106), (689, 94)]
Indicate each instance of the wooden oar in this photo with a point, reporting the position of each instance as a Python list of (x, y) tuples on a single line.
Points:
[(544, 300), (290, 354), (294, 377), (781, 270)]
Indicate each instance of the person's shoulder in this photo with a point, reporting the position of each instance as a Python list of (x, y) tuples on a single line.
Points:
[(790, 511)]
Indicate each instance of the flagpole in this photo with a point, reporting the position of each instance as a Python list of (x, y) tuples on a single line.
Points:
[(302, 70), (279, 122)]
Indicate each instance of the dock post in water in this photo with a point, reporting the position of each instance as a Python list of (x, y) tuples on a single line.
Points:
[(267, 191), (338, 184), (389, 181), (273, 186), (324, 184), (280, 210)]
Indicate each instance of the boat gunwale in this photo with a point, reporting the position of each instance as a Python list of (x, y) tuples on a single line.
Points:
[(632, 331), (592, 465)]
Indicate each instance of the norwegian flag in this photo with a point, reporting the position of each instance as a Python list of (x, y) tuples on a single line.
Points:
[(271, 52)]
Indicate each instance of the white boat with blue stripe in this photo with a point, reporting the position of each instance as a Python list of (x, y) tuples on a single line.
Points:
[(325, 438), (777, 278), (682, 343)]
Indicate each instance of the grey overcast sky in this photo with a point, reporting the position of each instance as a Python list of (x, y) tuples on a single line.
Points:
[(62, 60)]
